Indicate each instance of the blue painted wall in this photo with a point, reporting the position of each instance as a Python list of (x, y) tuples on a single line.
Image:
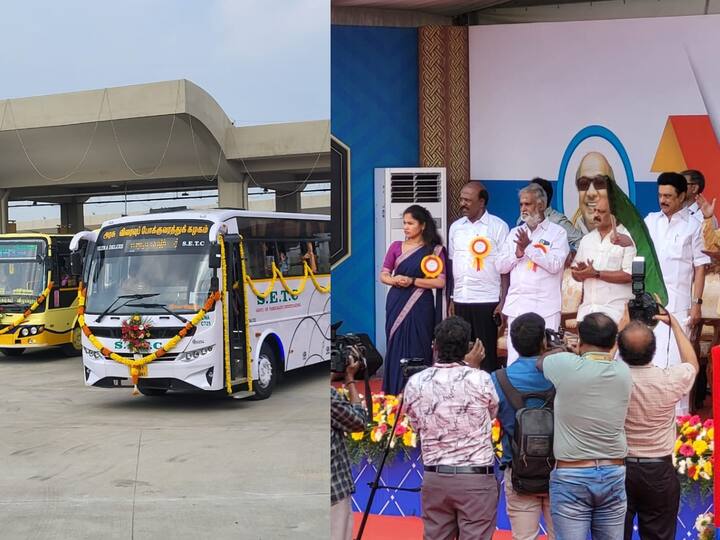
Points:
[(374, 111)]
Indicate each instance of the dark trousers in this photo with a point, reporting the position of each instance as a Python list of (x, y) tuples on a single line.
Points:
[(480, 317), (653, 494)]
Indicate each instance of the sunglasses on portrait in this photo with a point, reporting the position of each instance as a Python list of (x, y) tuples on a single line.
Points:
[(600, 182)]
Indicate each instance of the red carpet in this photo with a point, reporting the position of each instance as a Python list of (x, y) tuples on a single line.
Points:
[(405, 528)]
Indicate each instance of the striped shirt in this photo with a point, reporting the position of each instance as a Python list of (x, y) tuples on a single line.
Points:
[(650, 421)]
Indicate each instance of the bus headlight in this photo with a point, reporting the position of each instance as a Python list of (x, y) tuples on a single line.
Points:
[(189, 356), (26, 331)]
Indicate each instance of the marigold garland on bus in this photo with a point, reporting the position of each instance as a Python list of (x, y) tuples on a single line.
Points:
[(226, 324), (278, 276), (136, 364), (38, 302)]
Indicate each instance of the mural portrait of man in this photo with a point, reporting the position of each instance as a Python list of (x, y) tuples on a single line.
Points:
[(591, 181)]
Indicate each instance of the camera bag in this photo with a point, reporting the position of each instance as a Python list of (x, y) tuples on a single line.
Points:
[(532, 441)]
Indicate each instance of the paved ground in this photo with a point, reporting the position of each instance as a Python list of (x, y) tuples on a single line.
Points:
[(79, 463)]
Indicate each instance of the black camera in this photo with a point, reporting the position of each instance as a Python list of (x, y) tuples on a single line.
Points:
[(643, 307), (411, 366), (358, 345), (555, 340)]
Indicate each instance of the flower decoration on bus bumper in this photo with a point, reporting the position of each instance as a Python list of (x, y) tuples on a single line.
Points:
[(135, 332), (136, 365), (38, 302), (694, 451)]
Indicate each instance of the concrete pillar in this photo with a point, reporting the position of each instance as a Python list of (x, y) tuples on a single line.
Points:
[(233, 194), (4, 212), (287, 201), (72, 215)]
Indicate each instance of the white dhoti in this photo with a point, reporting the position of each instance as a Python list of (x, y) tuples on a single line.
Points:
[(668, 354), (551, 321)]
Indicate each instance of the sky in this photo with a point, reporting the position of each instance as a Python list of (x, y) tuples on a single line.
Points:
[(263, 61)]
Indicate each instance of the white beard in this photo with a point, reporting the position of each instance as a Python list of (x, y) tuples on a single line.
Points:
[(531, 220)]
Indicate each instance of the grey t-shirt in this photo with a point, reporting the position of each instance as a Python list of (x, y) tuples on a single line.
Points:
[(593, 392)]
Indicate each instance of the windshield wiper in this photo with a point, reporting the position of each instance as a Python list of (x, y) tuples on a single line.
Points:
[(127, 297), (161, 306)]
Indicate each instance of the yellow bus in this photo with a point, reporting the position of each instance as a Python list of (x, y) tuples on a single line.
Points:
[(38, 294)]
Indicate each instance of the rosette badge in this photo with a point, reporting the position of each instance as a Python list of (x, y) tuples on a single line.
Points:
[(431, 266), (480, 248)]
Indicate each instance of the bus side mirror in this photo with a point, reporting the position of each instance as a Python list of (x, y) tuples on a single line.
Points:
[(215, 256), (76, 263)]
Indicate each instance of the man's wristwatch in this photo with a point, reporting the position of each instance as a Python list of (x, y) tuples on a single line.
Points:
[(697, 301)]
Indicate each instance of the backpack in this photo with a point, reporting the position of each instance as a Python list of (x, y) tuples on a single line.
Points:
[(532, 442)]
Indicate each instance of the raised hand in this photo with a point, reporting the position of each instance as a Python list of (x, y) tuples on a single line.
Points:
[(522, 240), (707, 208)]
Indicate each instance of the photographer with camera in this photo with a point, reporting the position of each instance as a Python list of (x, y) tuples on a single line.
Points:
[(346, 416), (653, 489), (587, 487), (526, 476), (451, 406)]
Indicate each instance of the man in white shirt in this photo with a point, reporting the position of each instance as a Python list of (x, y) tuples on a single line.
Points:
[(477, 289), (678, 242), (696, 185), (534, 254), (603, 267)]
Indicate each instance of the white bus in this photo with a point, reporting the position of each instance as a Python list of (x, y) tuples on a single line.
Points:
[(147, 279)]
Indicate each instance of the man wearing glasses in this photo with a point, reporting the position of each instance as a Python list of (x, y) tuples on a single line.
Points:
[(695, 185), (591, 181)]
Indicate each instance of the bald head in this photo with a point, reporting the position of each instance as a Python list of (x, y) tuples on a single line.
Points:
[(594, 164), (636, 344), (473, 200)]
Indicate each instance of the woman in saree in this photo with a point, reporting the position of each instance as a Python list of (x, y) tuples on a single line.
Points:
[(414, 269)]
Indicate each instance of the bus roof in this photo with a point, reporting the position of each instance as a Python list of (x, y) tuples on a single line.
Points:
[(219, 214), (27, 235)]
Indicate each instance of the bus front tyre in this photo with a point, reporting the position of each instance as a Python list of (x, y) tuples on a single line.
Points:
[(267, 374), (74, 348)]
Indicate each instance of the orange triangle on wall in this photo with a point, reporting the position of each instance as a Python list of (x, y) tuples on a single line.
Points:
[(669, 155)]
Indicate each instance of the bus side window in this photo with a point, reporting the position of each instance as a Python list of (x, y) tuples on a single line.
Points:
[(283, 261), (258, 265), (322, 251)]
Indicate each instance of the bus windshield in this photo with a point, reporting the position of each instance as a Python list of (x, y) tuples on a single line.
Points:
[(167, 262), (23, 273)]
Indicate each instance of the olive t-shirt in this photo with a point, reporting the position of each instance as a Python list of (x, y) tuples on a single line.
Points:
[(593, 392)]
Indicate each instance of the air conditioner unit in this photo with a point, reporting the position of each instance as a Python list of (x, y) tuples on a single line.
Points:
[(395, 190)]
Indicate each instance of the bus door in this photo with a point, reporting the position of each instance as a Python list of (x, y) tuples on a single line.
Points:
[(236, 308), (64, 290)]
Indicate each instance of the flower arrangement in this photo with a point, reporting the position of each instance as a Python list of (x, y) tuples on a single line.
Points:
[(372, 441), (497, 434), (694, 452), (704, 525), (135, 332)]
